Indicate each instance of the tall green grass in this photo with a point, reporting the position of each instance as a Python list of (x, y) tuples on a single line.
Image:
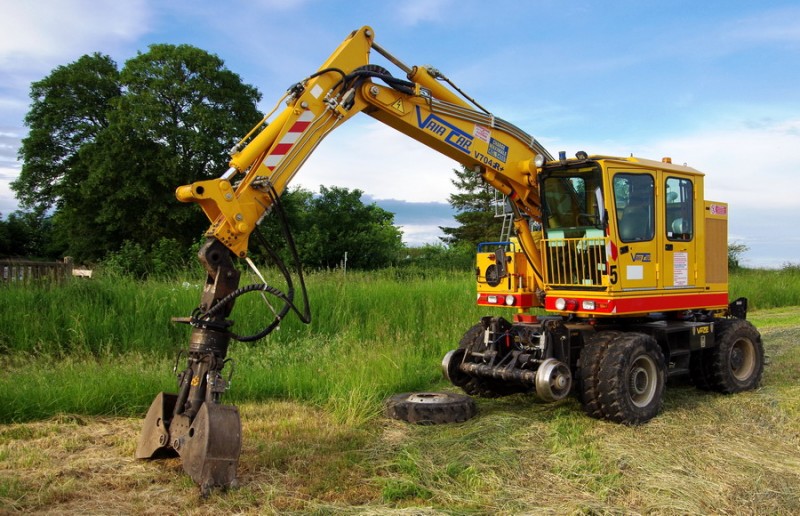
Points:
[(107, 315), (765, 288), (119, 314), (108, 346), (109, 340)]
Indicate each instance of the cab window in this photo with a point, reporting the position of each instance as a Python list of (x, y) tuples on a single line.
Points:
[(679, 215), (633, 202), (573, 202)]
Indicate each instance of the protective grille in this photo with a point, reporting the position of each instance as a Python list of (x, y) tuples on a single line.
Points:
[(575, 262)]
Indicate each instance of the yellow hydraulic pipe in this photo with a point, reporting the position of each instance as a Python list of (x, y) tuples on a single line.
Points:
[(243, 159), (421, 76)]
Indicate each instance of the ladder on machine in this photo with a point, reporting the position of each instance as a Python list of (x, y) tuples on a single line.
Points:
[(502, 209)]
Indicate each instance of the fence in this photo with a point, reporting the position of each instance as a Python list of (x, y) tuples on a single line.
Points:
[(25, 271)]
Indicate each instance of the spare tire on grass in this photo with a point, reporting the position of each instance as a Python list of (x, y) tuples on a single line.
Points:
[(430, 408)]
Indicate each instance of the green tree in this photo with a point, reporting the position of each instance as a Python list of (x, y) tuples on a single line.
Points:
[(23, 234), (69, 108), (295, 203), (337, 222), (735, 252), (108, 156), (474, 203)]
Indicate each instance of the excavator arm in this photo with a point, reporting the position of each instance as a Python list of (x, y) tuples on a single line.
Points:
[(420, 107), (193, 424)]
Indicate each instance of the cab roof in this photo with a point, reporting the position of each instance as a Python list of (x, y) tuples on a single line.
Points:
[(664, 164)]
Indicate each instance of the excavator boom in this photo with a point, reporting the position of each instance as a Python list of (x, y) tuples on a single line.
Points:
[(420, 107)]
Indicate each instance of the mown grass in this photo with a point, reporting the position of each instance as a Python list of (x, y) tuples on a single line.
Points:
[(705, 453)]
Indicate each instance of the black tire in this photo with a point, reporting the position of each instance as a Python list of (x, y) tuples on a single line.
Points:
[(737, 362), (589, 371), (631, 379), (483, 387), (430, 408)]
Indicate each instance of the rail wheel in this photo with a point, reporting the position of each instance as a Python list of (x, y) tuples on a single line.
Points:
[(631, 379)]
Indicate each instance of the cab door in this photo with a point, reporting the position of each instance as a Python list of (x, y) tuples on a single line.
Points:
[(679, 253), (635, 212)]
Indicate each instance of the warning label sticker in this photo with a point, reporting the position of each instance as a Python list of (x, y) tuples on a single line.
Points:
[(398, 105), (498, 150), (718, 209), (634, 272), (680, 269), (482, 133)]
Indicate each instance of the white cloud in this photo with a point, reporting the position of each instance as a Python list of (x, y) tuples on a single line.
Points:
[(746, 164), (48, 31), (380, 161), (415, 235), (7, 201), (413, 12)]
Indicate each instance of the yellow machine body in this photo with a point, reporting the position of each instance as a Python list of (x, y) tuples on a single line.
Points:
[(619, 236)]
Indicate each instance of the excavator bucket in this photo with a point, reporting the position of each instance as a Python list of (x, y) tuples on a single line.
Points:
[(209, 447), (154, 439), (210, 451)]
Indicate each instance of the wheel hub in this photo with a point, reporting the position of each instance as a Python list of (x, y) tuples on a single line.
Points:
[(639, 381), (743, 359), (429, 397), (736, 359), (642, 381)]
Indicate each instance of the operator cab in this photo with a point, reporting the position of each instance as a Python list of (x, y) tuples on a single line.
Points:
[(625, 236)]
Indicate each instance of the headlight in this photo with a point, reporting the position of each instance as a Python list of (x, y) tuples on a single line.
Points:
[(510, 300), (561, 303)]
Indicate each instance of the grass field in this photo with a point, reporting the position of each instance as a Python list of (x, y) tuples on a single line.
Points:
[(82, 362)]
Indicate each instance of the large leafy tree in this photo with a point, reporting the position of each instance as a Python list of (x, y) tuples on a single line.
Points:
[(106, 149), (69, 108), (474, 203), (338, 222)]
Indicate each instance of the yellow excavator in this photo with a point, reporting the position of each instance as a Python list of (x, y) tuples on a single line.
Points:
[(623, 255)]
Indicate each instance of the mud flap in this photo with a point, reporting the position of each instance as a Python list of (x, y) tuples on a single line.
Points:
[(154, 439), (210, 449)]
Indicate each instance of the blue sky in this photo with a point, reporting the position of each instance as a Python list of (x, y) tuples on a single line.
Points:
[(713, 84)]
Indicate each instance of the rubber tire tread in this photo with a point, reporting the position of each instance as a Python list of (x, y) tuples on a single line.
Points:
[(615, 399), (589, 371), (720, 376), (482, 387), (456, 409)]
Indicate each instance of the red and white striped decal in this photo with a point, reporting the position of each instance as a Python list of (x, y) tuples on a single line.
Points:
[(289, 139)]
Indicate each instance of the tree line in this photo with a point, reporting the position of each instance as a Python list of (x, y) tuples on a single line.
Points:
[(106, 147)]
